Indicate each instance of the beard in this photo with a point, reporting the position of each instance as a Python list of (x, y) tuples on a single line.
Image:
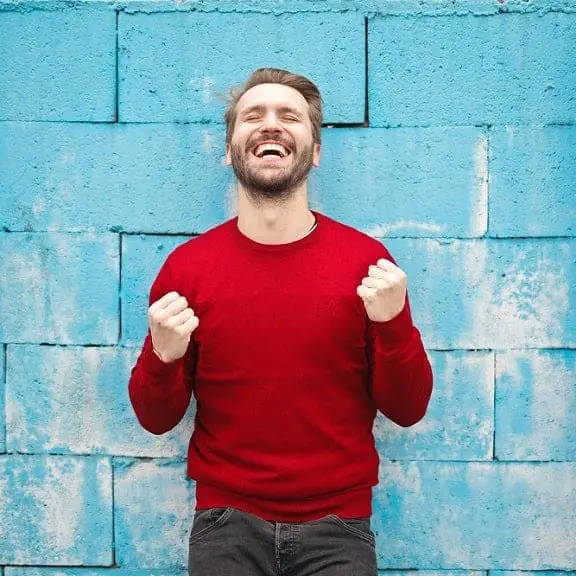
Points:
[(267, 183)]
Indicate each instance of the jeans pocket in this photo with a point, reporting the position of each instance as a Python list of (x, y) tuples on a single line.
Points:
[(208, 520), (358, 526)]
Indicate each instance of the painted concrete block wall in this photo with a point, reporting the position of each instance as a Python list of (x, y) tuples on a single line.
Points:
[(450, 134)]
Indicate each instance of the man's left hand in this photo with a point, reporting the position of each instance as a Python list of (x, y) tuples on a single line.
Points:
[(383, 291)]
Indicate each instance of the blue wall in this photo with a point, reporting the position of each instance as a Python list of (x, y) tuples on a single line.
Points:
[(111, 148)]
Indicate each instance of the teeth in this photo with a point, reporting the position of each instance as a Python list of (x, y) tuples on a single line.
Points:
[(268, 146)]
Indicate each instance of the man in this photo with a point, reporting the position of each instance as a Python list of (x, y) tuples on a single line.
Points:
[(291, 330)]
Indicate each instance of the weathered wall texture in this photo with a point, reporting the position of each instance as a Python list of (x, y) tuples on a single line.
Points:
[(450, 134)]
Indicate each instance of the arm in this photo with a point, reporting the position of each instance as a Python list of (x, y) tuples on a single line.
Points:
[(400, 373), (401, 376), (159, 391)]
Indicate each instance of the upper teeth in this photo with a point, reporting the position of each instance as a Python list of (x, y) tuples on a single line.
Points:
[(268, 146)]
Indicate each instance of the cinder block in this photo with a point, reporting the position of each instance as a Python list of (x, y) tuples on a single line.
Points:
[(536, 405), (482, 515), (491, 293), (55, 510), (459, 423), (2, 396), (171, 69), (58, 64), (59, 288), (75, 400), (465, 69), (405, 182), (152, 498), (532, 175), (142, 258), (138, 178)]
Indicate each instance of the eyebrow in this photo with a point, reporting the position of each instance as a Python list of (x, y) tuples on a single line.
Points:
[(261, 108)]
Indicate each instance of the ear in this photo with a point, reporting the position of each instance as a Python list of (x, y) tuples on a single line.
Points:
[(316, 156), (228, 155)]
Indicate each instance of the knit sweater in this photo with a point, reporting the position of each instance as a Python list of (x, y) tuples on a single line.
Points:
[(287, 371)]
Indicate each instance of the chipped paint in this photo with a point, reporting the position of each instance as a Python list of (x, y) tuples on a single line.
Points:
[(524, 300), (383, 230), (479, 204)]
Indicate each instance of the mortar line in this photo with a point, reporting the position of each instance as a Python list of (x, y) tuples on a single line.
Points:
[(366, 68), (219, 124), (494, 367), (113, 514), (117, 74), (487, 233), (4, 393), (127, 460), (440, 239), (120, 250), (133, 345)]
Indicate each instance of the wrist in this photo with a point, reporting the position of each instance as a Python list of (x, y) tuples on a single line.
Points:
[(161, 356)]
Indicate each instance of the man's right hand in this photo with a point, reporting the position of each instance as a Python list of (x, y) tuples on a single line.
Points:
[(171, 325)]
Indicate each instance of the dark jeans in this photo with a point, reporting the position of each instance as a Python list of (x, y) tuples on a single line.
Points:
[(231, 542)]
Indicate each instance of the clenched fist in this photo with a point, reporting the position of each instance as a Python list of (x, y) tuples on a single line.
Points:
[(383, 291), (171, 326)]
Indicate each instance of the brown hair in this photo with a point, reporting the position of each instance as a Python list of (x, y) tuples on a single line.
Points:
[(276, 76)]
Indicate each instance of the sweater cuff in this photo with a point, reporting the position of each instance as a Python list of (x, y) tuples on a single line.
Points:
[(157, 368), (396, 332)]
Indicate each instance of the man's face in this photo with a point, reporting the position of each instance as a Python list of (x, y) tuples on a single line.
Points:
[(272, 150)]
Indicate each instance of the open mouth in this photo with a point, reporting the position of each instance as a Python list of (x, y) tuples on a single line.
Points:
[(271, 151)]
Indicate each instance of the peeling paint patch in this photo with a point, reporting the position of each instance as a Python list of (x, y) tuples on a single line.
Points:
[(55, 510), (75, 400), (406, 226), (536, 405), (521, 293), (66, 284), (479, 207), (153, 499), (459, 421)]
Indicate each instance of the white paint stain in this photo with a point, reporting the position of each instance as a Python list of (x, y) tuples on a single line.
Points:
[(231, 200), (207, 90), (526, 307), (208, 143), (4, 496), (405, 476), (39, 207), (67, 158), (479, 208), (510, 132), (205, 85), (552, 398), (548, 517), (24, 274), (167, 487), (60, 502), (80, 417), (405, 225)]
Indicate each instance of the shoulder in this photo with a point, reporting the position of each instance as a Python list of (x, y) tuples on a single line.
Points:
[(199, 247), (348, 238)]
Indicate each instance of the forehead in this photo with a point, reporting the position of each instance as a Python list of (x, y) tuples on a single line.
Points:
[(274, 96)]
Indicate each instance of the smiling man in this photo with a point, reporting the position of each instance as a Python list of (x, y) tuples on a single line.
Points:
[(291, 330)]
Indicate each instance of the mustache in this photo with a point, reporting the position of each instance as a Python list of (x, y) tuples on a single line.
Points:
[(283, 141)]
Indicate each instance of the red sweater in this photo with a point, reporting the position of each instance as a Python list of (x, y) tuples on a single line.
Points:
[(287, 371)]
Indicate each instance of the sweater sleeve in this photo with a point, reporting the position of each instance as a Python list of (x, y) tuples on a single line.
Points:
[(160, 392), (400, 373)]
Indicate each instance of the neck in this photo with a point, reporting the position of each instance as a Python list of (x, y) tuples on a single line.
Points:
[(273, 221)]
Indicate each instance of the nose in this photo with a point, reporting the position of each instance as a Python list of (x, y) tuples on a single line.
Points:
[(270, 123)]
